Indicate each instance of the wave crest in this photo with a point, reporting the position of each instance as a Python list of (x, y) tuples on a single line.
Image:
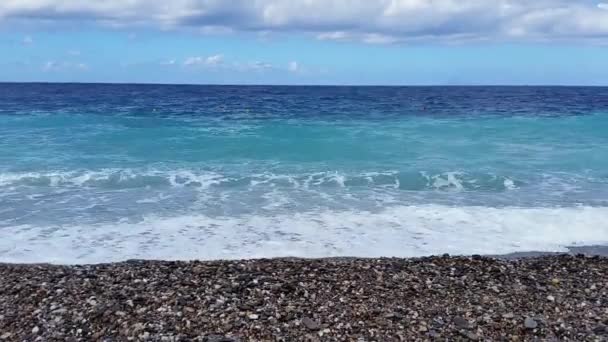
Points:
[(127, 178)]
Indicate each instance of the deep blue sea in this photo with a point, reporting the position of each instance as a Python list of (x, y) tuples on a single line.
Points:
[(97, 173)]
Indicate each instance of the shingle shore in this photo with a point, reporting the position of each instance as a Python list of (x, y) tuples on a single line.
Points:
[(435, 298)]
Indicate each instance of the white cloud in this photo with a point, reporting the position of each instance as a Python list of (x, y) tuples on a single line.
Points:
[(293, 66), (195, 60), (50, 66), (168, 62), (215, 30), (375, 38), (210, 61), (73, 52), (337, 35), (217, 61), (27, 40), (214, 60), (371, 21), (254, 66), (369, 38)]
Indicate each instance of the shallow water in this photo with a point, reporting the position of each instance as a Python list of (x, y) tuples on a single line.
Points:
[(96, 173)]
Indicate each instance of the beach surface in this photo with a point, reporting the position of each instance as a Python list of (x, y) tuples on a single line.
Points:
[(552, 297)]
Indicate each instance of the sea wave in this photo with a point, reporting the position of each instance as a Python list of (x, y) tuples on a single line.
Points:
[(399, 231), (128, 178)]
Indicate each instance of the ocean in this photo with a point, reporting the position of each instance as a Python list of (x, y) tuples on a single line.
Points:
[(93, 173)]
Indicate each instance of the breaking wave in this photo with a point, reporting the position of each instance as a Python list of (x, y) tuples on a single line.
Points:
[(125, 179)]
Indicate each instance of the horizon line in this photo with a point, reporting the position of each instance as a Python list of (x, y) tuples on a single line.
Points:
[(304, 85)]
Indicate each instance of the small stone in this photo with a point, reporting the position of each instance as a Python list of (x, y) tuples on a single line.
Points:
[(471, 336), (5, 336), (555, 281), (423, 329), (551, 298), (253, 317), (509, 315), (530, 323), (35, 330), (394, 315), (311, 324), (60, 311), (461, 323), (438, 322), (138, 327), (600, 330), (218, 338)]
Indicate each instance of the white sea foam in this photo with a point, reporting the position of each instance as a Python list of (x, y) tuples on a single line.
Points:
[(449, 180), (402, 231), (156, 199), (84, 178), (509, 184), (204, 179)]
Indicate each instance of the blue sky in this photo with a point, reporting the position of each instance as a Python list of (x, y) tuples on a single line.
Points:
[(305, 41)]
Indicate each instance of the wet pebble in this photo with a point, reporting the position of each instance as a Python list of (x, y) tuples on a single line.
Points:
[(444, 298)]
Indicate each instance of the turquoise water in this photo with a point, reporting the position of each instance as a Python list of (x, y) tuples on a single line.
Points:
[(92, 173)]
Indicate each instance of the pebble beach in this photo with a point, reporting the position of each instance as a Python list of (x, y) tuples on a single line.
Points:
[(556, 297)]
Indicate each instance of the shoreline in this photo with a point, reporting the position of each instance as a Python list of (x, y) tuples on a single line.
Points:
[(335, 299), (586, 250)]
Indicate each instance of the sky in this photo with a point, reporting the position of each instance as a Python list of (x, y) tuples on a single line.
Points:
[(361, 42)]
